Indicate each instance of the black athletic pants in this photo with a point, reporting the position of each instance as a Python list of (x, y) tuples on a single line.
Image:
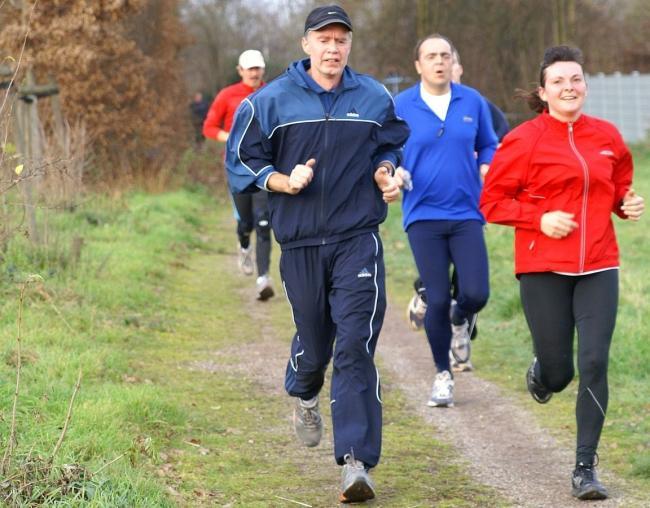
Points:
[(252, 212), (555, 305)]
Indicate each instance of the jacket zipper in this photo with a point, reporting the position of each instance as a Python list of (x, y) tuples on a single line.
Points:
[(323, 176), (585, 192)]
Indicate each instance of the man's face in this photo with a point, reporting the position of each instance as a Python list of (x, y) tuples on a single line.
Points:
[(251, 77), (434, 64), (328, 50)]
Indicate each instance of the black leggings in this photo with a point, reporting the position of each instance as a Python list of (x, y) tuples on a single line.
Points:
[(252, 212), (555, 305)]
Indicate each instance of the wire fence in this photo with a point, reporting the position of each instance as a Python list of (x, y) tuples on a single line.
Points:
[(623, 99)]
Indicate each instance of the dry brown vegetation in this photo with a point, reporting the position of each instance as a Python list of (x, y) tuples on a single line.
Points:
[(116, 66)]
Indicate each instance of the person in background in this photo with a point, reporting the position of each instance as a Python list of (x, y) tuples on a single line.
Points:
[(198, 111), (324, 142), (450, 147), (251, 210), (557, 179), (460, 352)]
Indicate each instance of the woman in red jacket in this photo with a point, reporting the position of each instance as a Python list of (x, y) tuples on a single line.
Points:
[(557, 179)]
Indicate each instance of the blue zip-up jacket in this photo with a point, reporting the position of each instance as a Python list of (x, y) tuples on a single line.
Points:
[(444, 156), (285, 123)]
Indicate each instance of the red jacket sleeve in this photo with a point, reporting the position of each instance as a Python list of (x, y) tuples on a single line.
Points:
[(214, 121), (505, 199), (621, 174)]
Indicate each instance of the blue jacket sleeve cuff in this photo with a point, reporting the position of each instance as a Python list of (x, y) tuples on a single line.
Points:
[(386, 157), (485, 156), (265, 180), (263, 177)]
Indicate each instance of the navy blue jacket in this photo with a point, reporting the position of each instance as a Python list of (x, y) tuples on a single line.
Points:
[(499, 121), (285, 123)]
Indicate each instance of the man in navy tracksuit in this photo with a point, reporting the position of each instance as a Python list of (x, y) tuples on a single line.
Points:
[(325, 142)]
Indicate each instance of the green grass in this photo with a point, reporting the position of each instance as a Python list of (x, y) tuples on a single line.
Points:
[(92, 317), (503, 349)]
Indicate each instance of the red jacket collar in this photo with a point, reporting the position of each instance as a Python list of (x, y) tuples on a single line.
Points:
[(554, 123)]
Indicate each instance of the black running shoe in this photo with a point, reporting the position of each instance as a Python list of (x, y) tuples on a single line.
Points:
[(585, 484), (539, 392)]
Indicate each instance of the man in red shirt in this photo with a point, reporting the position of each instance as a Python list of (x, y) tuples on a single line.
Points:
[(251, 210)]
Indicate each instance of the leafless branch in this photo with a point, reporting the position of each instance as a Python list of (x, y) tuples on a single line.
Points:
[(109, 463), (11, 442), (68, 417)]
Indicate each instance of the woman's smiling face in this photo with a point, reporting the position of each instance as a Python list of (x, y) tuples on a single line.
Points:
[(564, 90)]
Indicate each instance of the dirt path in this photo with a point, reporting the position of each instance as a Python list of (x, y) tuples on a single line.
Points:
[(504, 445), (492, 432)]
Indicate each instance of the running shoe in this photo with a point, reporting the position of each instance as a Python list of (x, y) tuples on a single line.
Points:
[(471, 319), (460, 342), (245, 260), (460, 367), (356, 485), (442, 393), (415, 312), (264, 288), (538, 391), (307, 421), (585, 484)]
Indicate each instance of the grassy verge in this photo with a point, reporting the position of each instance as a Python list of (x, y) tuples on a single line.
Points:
[(502, 352), (153, 316), (92, 316)]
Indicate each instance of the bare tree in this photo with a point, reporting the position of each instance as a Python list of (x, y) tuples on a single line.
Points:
[(501, 42)]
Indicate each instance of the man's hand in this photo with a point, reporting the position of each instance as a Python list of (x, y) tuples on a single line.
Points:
[(483, 169), (388, 185), (300, 176), (557, 224), (633, 205), (403, 177)]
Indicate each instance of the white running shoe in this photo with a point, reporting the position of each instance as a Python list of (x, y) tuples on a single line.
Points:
[(415, 312), (460, 342), (356, 485), (442, 393), (264, 288), (245, 260)]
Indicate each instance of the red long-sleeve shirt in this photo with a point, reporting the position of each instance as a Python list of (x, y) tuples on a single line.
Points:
[(222, 110), (545, 165)]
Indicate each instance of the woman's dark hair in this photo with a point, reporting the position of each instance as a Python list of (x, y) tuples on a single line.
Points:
[(416, 50), (551, 56)]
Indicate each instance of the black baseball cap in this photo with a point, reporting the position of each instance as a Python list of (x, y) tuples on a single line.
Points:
[(327, 15)]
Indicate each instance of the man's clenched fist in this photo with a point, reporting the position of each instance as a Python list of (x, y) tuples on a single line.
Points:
[(300, 176)]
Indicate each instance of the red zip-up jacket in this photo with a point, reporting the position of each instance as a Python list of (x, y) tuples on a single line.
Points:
[(545, 165), (223, 108)]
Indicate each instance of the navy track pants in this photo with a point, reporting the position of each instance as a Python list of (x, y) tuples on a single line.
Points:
[(338, 300), (435, 245)]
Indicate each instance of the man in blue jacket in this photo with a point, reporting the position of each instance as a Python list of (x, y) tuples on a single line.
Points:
[(416, 310), (451, 145), (324, 141)]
